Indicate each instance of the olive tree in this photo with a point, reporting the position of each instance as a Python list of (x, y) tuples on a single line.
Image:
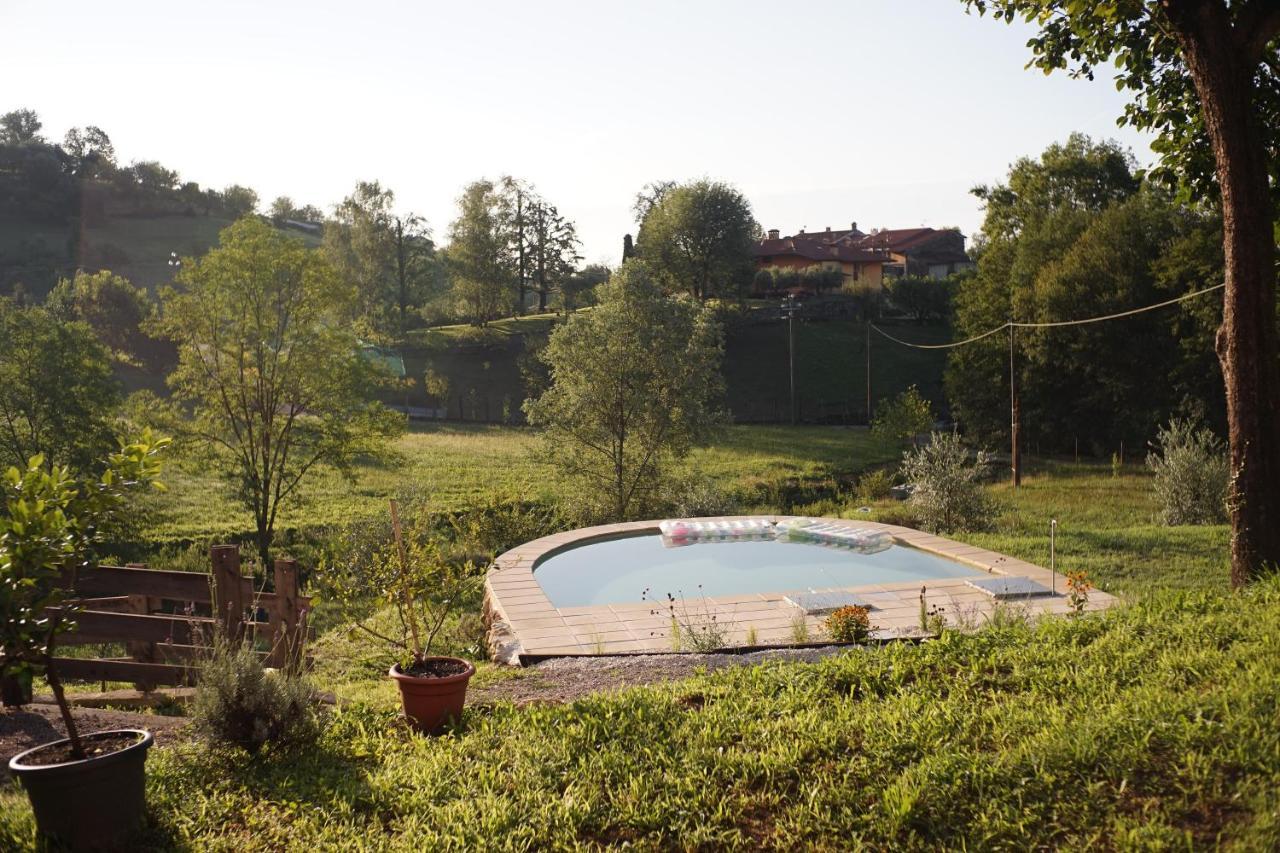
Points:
[(634, 384), (270, 373)]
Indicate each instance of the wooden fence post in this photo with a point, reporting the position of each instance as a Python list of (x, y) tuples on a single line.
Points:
[(286, 644), (141, 651), (228, 592)]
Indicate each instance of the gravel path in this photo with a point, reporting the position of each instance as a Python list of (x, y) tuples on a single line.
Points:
[(35, 724), (565, 679)]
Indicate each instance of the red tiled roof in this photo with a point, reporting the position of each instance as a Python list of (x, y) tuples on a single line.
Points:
[(900, 239), (848, 245), (814, 247)]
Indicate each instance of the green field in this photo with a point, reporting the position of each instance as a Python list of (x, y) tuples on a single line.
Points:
[(1151, 726), (456, 464)]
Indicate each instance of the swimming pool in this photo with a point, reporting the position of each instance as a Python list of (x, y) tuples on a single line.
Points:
[(631, 568)]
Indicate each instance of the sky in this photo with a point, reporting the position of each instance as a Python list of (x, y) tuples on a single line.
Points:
[(883, 112)]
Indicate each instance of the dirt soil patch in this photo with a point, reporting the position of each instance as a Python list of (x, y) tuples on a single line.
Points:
[(32, 725), (566, 679)]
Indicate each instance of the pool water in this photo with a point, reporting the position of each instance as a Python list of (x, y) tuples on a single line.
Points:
[(622, 570)]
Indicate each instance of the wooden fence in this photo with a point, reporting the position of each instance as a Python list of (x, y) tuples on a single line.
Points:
[(167, 620)]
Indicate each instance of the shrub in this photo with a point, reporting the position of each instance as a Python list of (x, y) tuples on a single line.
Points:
[(1191, 474), (694, 496), (874, 486), (240, 702), (947, 492), (849, 624), (904, 417)]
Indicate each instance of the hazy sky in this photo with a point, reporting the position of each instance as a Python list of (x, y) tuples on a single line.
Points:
[(822, 113)]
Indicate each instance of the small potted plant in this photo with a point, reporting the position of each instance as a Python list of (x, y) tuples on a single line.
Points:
[(86, 790), (424, 585)]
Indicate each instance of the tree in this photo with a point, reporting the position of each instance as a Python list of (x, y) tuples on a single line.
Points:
[(650, 194), (922, 298), (515, 201), (478, 260), (150, 177), (413, 259), (389, 256), (57, 394), (282, 208), (358, 245), (903, 418), (91, 152), (108, 303), (577, 289), (1205, 77), (553, 249), (697, 239), (633, 387), (1030, 221), (238, 201), (269, 370), (18, 127)]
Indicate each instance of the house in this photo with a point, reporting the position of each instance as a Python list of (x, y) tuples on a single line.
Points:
[(866, 258)]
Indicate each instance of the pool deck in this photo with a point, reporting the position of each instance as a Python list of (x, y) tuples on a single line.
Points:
[(524, 624)]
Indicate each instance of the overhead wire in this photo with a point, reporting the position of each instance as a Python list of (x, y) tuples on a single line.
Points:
[(1057, 323)]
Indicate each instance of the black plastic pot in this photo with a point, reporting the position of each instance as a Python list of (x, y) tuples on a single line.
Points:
[(94, 804)]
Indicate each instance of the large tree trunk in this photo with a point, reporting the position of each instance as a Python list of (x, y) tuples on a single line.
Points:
[(1222, 74)]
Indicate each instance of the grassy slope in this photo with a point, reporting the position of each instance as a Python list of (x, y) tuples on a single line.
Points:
[(1150, 726), (456, 464), (145, 241)]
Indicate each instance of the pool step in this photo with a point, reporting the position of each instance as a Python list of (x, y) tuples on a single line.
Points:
[(820, 603), (1001, 588)]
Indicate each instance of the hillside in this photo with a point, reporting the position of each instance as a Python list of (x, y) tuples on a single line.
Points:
[(137, 247)]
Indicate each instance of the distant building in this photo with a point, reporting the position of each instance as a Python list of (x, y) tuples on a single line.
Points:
[(866, 258)]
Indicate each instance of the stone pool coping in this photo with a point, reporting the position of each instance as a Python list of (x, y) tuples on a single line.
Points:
[(524, 625)]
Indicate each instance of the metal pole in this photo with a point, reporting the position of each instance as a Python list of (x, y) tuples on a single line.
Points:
[(1014, 456), (791, 350), (789, 307), (1053, 571), (869, 412)]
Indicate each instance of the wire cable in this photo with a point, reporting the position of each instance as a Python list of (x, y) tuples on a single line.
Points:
[(940, 346), (1119, 315), (1006, 325)]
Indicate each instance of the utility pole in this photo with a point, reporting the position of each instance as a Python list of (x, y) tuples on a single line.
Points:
[(1014, 416), (789, 311), (869, 412)]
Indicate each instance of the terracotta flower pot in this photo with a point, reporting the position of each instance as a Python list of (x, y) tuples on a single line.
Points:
[(91, 804), (431, 702)]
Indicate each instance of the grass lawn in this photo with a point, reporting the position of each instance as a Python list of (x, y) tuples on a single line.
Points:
[(1149, 726), (456, 464)]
